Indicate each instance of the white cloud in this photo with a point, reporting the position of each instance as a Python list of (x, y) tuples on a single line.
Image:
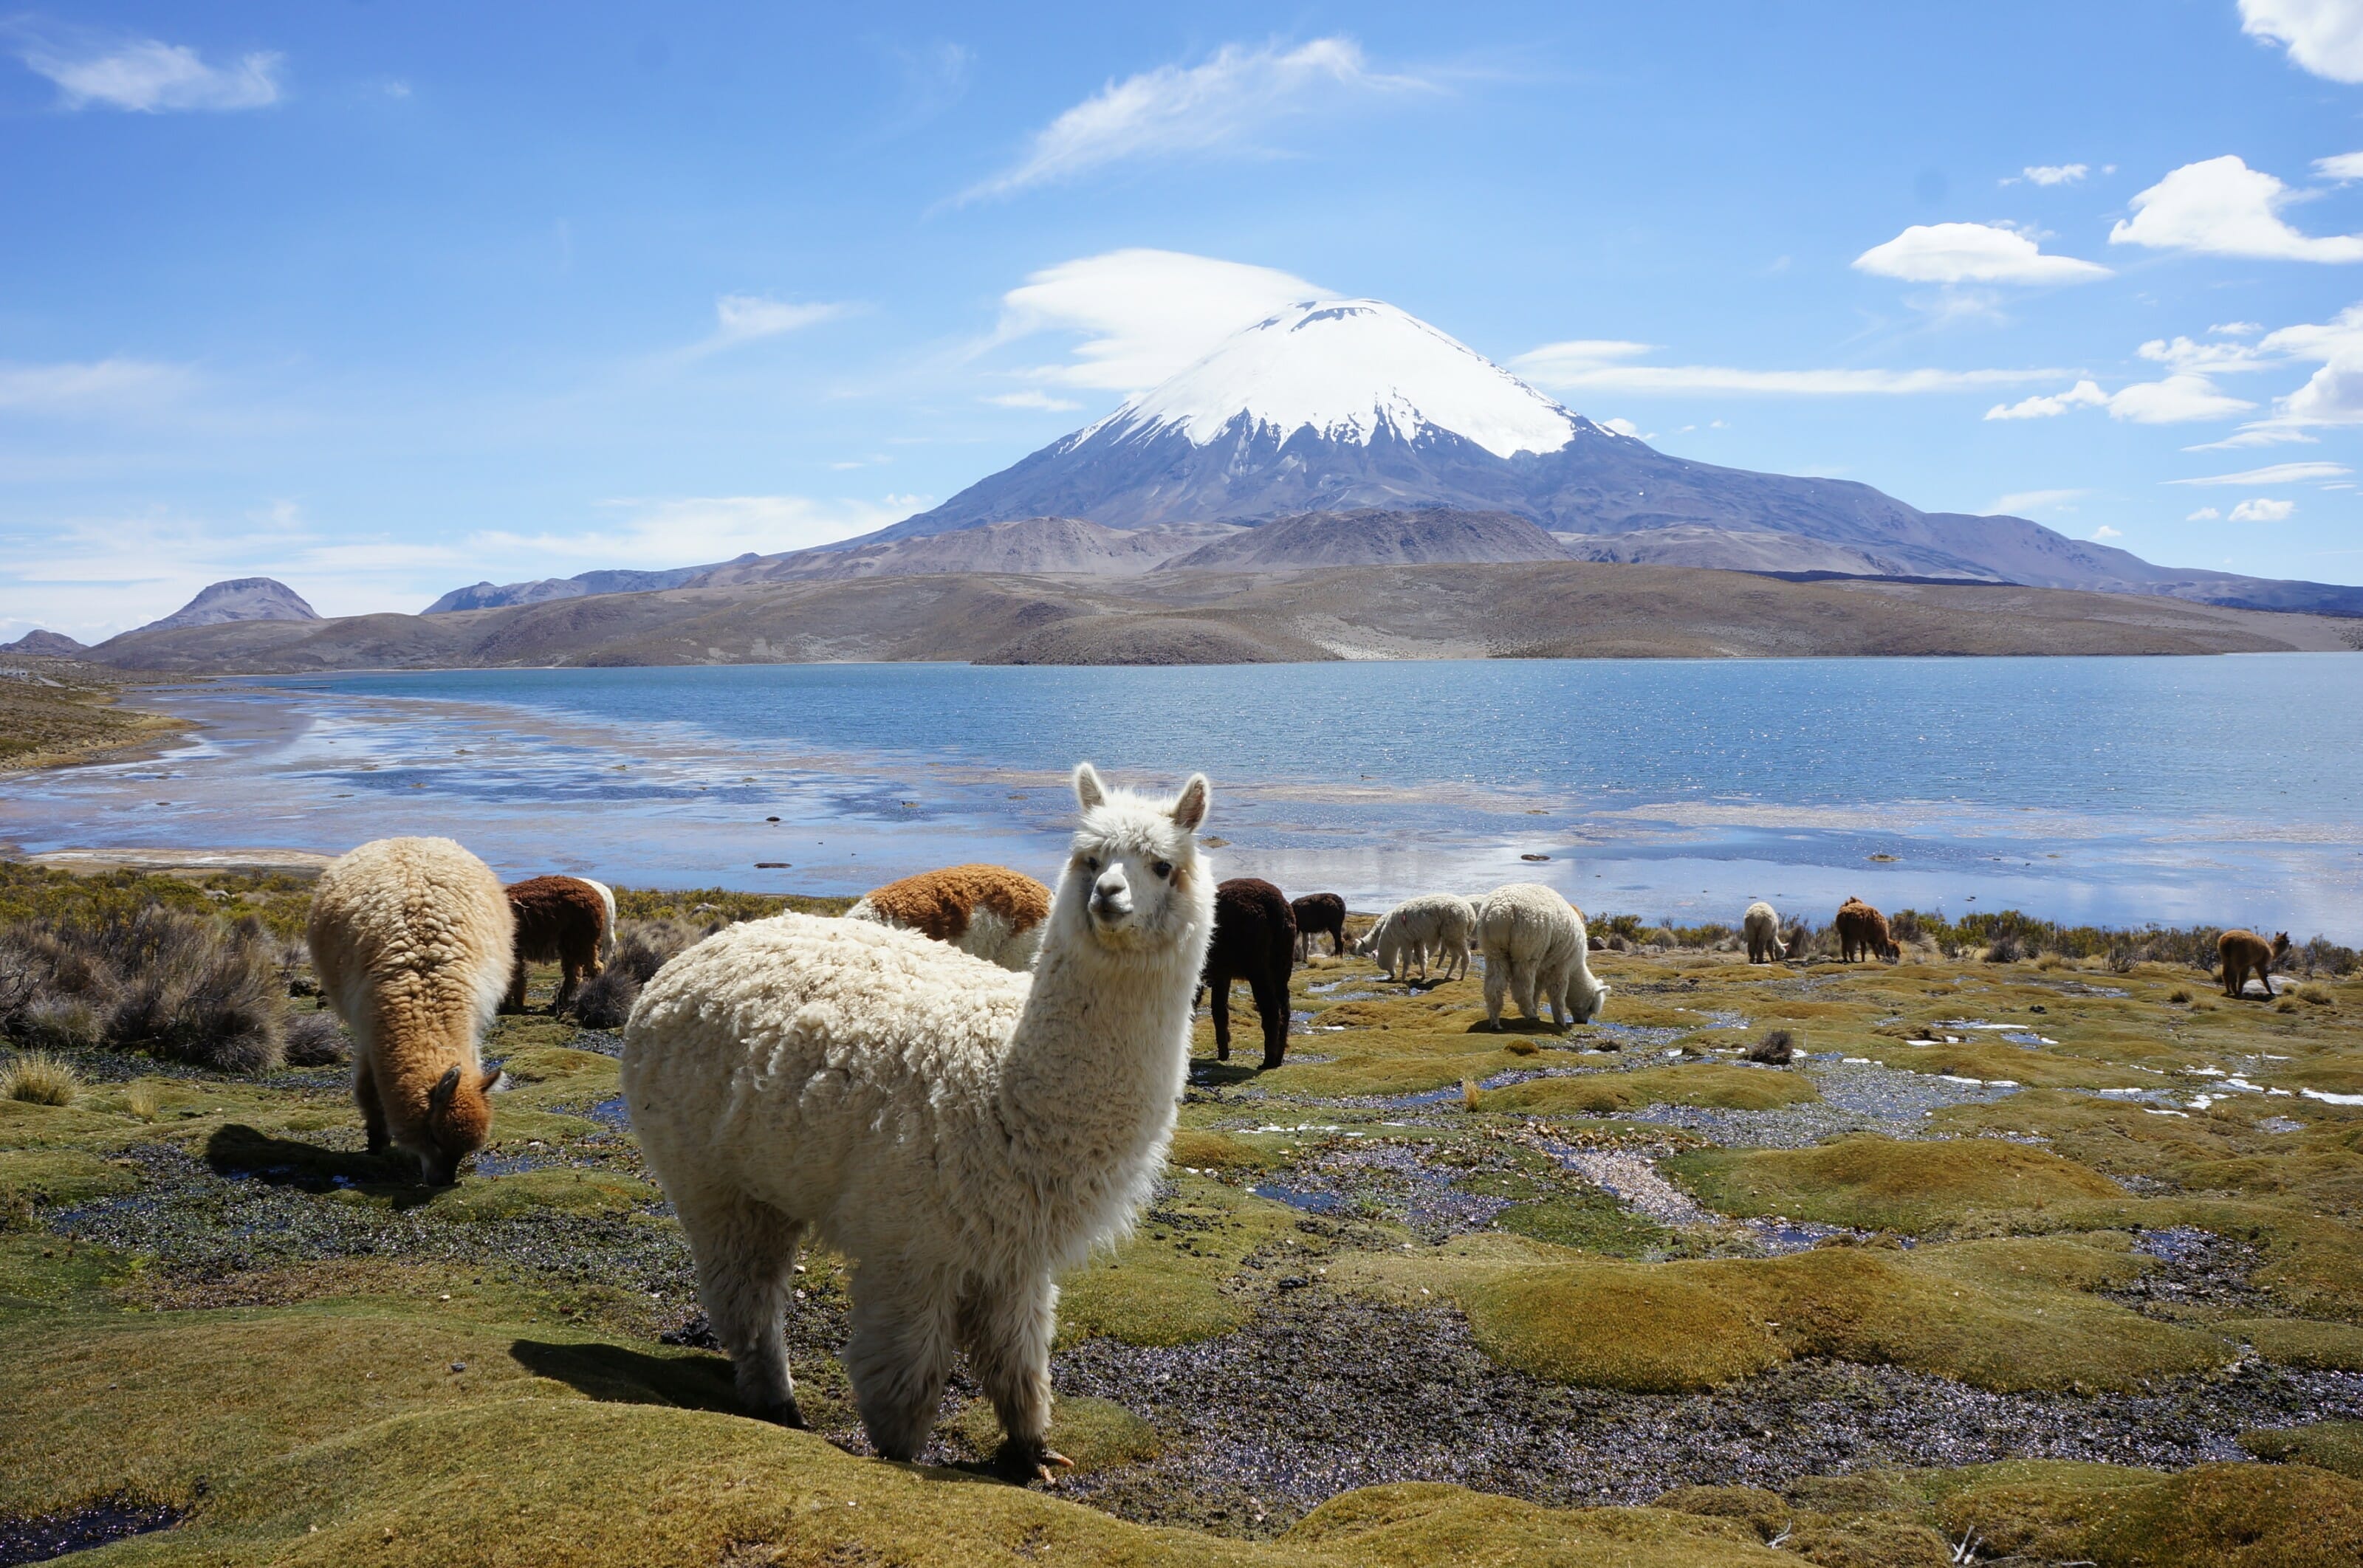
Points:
[(2261, 511), (2263, 434), (98, 386), (2026, 500), (2223, 207), (2083, 394), (2179, 399), (2105, 532), (2235, 328), (2277, 473), (2205, 514), (2324, 37), (1592, 365), (2344, 166), (2056, 173), (1143, 315), (1971, 253), (1033, 399), (148, 76), (743, 318), (1626, 427), (1196, 108)]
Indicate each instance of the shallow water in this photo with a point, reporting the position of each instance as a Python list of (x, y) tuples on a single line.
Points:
[(2110, 790)]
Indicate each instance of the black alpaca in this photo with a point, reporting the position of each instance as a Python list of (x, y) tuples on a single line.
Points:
[(1255, 941), (1317, 912)]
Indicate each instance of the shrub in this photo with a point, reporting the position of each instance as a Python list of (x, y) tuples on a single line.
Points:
[(2005, 949), (139, 1100), (642, 947), (316, 1040), (2178, 995), (1519, 1046), (2316, 994), (36, 1077), (198, 990), (60, 1023), (1471, 1096)]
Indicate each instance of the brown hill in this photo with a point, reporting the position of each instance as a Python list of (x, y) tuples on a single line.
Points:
[(1044, 546), (1536, 609)]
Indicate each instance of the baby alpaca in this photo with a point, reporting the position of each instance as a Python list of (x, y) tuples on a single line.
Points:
[(1316, 913), (411, 940), (2242, 954), (566, 921), (1255, 941), (960, 1133), (1862, 934), (1440, 925), (1762, 926), (988, 910), (1534, 948)]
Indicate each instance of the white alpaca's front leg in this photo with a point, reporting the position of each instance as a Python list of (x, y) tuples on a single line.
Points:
[(1008, 1331), (899, 1355)]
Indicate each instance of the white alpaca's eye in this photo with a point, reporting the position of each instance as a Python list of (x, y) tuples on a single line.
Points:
[(1091, 863), (1163, 868)]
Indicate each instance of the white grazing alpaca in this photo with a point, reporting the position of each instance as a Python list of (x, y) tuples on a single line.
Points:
[(1761, 925), (1436, 925), (961, 1133), (1534, 947)]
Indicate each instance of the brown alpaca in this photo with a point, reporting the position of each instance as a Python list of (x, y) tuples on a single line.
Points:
[(411, 940), (2244, 953), (1255, 941), (1862, 933), (1315, 913), (990, 911), (560, 920)]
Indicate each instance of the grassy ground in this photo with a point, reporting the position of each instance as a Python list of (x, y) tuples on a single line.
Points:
[(53, 713), (1647, 1305)]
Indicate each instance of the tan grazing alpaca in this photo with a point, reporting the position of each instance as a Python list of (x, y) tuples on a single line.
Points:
[(2244, 953), (565, 921), (1762, 925), (411, 939), (1863, 934), (990, 911)]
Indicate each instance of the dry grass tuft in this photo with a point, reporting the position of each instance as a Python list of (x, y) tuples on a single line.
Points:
[(140, 1100), (36, 1077), (1471, 1096)]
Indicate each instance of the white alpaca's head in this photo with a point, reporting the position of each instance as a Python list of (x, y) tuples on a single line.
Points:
[(1134, 880)]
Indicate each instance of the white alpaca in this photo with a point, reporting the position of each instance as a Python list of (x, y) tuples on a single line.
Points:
[(1535, 946), (608, 930), (1761, 924), (1436, 925), (961, 1132)]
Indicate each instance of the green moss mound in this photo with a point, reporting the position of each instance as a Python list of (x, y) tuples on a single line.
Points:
[(1885, 1184), (2005, 1315), (2327, 1445), (2216, 1516), (2297, 1341), (1715, 1083)]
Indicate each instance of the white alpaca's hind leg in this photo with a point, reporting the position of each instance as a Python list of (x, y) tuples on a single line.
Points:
[(899, 1357), (1007, 1334), (1522, 989), (746, 1255), (1497, 983)]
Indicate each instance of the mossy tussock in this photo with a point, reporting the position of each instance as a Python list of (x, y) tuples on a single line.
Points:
[(1718, 1085), (1884, 1184)]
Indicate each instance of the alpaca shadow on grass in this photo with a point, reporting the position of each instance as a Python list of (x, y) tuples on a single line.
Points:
[(243, 1152), (1519, 1026), (619, 1376), (1207, 1072)]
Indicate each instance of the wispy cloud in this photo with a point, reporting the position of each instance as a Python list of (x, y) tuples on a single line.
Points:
[(1141, 315), (1972, 253), (749, 318), (2104, 533), (97, 386), (1033, 399), (2055, 174), (148, 76), (690, 530), (1219, 105), (2223, 207), (2035, 500), (2276, 473), (2324, 37), (1603, 365)]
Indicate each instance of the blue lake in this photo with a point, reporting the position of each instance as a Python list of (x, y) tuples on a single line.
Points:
[(2113, 791)]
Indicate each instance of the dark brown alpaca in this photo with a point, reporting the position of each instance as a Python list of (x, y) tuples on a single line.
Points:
[(1317, 912), (1255, 941), (560, 919), (1862, 933), (2243, 954)]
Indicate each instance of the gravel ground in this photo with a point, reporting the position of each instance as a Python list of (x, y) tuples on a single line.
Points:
[(1388, 1180), (1376, 1394), (1856, 1097)]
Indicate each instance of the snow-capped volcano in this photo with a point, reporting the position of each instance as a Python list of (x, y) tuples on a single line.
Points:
[(1347, 370)]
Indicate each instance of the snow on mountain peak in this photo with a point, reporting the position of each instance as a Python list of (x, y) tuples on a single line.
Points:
[(1347, 367)]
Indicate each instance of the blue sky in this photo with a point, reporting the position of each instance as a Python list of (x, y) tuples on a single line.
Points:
[(382, 300)]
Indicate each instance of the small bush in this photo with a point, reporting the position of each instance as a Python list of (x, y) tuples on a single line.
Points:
[(1471, 1096), (60, 1023), (2287, 1004), (1777, 1049), (2319, 995), (140, 1100), (157, 979), (38, 1078), (2179, 995), (2005, 949), (2123, 957), (1519, 1046), (316, 1040)]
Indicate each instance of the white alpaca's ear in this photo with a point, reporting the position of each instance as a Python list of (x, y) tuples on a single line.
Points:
[(1088, 789), (1190, 807)]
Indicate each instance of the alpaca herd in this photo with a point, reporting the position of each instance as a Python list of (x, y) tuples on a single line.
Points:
[(962, 1086)]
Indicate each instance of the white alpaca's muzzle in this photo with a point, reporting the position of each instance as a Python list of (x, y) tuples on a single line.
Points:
[(1111, 897)]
